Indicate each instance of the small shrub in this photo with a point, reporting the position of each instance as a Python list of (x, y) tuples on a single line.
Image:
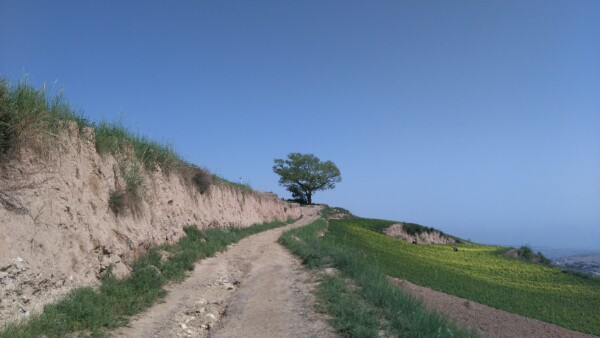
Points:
[(202, 180), (134, 180), (415, 229), (131, 195), (525, 252), (116, 200)]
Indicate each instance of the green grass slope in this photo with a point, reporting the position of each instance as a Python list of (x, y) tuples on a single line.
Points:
[(478, 273), (359, 298)]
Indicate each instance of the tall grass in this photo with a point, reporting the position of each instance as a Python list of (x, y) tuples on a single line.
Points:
[(131, 195), (95, 311), (115, 139), (360, 299), (31, 118)]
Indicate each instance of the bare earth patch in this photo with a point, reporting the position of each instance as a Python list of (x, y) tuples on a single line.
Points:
[(425, 237), (254, 289), (486, 320)]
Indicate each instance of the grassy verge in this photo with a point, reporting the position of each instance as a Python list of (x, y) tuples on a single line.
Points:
[(91, 311), (359, 298), (477, 272)]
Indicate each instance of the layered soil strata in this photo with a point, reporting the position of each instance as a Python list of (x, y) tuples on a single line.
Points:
[(58, 232)]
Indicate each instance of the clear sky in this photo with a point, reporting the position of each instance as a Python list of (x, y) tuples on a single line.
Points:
[(481, 118)]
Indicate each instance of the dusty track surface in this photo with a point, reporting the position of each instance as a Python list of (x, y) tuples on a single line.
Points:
[(486, 320), (254, 289)]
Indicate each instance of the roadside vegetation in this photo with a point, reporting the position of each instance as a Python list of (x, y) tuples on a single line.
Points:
[(93, 311), (356, 292), (476, 272), (527, 254), (30, 118)]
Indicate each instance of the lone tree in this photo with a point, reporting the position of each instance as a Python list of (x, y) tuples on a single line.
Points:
[(303, 174)]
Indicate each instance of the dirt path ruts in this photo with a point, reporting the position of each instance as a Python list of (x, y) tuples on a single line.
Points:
[(254, 289), (486, 320)]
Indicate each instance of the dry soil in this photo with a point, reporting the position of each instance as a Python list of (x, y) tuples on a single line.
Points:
[(254, 289), (258, 289)]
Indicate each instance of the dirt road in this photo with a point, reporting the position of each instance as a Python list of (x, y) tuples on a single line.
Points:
[(254, 289)]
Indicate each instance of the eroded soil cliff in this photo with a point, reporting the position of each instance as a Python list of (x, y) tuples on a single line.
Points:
[(57, 231)]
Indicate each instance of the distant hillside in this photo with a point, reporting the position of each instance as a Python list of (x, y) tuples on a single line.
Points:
[(556, 253), (477, 272), (586, 263)]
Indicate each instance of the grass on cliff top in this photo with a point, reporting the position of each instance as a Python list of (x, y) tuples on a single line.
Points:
[(476, 272), (115, 139), (94, 311), (359, 298), (28, 117), (31, 118), (240, 186)]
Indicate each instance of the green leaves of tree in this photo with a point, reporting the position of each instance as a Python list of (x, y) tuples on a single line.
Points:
[(303, 174)]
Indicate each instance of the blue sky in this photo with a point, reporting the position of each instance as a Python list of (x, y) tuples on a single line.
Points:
[(481, 118)]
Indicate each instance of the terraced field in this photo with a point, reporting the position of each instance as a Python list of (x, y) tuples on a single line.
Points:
[(477, 272)]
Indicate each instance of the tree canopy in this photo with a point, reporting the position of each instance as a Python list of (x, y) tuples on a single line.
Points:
[(303, 174)]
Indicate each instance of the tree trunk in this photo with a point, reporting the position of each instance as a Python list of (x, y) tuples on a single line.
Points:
[(309, 198)]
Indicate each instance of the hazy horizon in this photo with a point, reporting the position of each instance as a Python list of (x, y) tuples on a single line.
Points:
[(481, 119)]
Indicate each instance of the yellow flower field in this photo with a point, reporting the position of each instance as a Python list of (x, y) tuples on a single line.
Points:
[(479, 273)]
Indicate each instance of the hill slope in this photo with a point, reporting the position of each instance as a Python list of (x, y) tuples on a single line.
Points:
[(479, 273)]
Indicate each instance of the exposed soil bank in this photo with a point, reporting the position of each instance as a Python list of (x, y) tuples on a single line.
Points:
[(425, 237), (57, 231)]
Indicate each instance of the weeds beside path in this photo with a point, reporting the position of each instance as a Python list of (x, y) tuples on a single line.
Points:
[(358, 296), (95, 311), (254, 289)]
